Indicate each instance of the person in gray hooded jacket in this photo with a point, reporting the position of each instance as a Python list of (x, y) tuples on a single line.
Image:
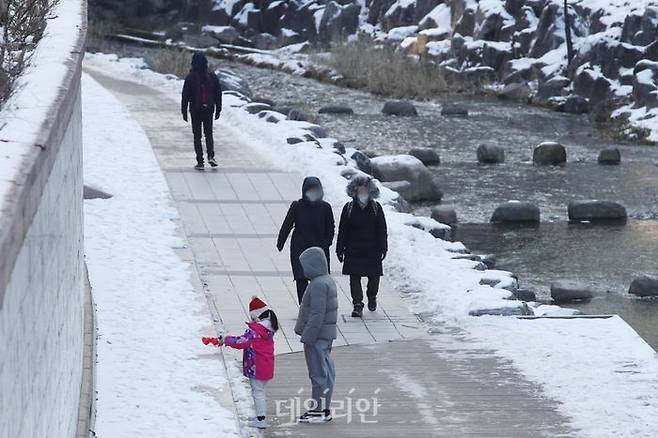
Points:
[(316, 324)]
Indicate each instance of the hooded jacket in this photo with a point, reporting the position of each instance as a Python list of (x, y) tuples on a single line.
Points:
[(311, 223), (258, 345), (318, 311), (362, 233), (190, 97)]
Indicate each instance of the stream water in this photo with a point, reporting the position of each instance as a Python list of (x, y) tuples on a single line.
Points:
[(605, 257)]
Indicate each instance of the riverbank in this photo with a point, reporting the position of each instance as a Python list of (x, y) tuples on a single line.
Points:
[(416, 258)]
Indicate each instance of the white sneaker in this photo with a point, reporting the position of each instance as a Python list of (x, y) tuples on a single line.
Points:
[(315, 417), (258, 424)]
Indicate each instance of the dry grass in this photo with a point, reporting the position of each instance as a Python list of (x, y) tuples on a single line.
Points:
[(385, 71), (170, 61)]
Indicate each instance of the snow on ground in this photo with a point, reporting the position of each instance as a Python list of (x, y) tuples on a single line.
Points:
[(154, 377), (602, 372)]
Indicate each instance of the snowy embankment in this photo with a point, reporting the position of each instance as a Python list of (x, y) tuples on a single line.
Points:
[(154, 377), (602, 372)]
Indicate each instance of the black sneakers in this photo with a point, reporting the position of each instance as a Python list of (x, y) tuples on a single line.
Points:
[(315, 417), (199, 166), (372, 304), (358, 311)]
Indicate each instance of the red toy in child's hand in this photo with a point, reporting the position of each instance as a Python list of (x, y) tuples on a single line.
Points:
[(217, 342)]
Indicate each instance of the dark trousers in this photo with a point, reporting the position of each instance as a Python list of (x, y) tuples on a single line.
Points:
[(202, 122), (357, 290), (301, 287)]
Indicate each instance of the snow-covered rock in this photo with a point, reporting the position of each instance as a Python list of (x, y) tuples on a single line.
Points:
[(407, 168)]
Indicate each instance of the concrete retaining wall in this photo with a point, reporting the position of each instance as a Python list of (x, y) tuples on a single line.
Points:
[(42, 310)]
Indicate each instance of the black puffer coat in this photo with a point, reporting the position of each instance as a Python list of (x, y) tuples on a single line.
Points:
[(362, 234), (313, 224)]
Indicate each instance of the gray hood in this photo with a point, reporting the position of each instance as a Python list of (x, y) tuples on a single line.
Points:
[(314, 262)]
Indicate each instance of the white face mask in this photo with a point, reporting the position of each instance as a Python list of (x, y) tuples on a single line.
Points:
[(313, 195), (363, 198)]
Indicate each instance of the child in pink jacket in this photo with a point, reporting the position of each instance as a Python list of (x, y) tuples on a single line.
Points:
[(258, 357)]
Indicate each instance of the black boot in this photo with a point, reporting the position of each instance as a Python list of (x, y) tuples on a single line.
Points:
[(372, 304), (358, 311)]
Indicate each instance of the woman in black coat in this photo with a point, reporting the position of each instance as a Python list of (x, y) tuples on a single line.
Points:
[(362, 241), (313, 223)]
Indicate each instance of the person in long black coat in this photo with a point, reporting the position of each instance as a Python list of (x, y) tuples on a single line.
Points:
[(311, 221), (362, 241)]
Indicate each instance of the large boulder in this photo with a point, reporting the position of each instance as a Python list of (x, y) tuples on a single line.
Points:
[(593, 85), (644, 286), (550, 32), (516, 211), (645, 80), (444, 214), (490, 153), (427, 156), (399, 108), (338, 21), (549, 153), (596, 211), (609, 156), (640, 29), (406, 13), (567, 291), (407, 168)]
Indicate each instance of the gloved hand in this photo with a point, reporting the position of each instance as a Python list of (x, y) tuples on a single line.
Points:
[(383, 255), (217, 113), (217, 342), (340, 255), (185, 116), (279, 247)]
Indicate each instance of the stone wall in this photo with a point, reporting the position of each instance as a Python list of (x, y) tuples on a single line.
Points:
[(41, 241)]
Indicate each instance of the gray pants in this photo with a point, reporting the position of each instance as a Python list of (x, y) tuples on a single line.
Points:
[(258, 393), (321, 371)]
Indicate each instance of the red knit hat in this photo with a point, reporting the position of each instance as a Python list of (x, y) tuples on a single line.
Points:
[(257, 307)]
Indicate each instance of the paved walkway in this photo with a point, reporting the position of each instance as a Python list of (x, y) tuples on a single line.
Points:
[(423, 385)]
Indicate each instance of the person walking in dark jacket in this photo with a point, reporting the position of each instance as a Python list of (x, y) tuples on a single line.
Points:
[(202, 98), (362, 241), (313, 223)]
